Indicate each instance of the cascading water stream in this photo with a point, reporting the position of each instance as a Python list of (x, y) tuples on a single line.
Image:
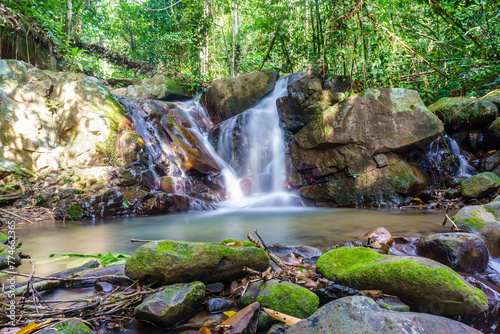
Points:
[(436, 151), (250, 149)]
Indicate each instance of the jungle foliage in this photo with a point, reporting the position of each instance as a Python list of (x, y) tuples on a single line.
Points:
[(439, 47)]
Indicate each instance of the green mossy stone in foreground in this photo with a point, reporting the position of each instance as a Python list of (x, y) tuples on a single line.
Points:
[(283, 297), (423, 284), (172, 305), (480, 185), (179, 261)]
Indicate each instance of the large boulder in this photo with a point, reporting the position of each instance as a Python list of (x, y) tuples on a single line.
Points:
[(77, 118), (172, 305), (229, 97), (177, 261), (423, 284), (361, 134), (359, 314), (464, 113), (283, 297), (480, 185), (461, 251), (483, 220)]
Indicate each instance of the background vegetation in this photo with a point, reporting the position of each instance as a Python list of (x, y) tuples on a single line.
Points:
[(439, 47)]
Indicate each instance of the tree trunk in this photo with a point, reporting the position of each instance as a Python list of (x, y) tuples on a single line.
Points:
[(69, 18)]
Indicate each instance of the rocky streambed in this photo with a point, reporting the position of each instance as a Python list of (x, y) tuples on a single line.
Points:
[(445, 282)]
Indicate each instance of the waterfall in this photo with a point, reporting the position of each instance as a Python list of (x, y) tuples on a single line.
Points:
[(249, 154), (441, 151), (465, 168)]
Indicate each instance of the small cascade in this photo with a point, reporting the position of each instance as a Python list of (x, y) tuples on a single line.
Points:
[(465, 168), (445, 153)]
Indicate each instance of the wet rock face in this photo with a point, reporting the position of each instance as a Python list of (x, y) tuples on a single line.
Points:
[(340, 147), (283, 297), (492, 137), (460, 251), (416, 281), (483, 220), (229, 97), (172, 305), (461, 112), (176, 261), (361, 314)]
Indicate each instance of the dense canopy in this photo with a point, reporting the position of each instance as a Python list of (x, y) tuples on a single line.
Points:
[(438, 47)]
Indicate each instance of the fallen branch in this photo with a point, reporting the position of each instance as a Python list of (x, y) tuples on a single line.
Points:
[(282, 317), (273, 257), (17, 216), (138, 240), (403, 44)]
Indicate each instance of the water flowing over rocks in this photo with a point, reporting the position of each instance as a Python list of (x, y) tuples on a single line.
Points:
[(460, 251), (231, 96), (359, 314), (483, 220), (174, 304), (176, 261), (418, 282)]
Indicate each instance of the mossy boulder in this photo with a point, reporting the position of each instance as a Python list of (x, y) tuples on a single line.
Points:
[(423, 284), (3, 238), (283, 297), (359, 314), (483, 220), (463, 112), (228, 97), (178, 261), (174, 304), (480, 185), (461, 251)]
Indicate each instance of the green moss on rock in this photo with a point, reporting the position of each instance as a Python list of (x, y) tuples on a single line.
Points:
[(418, 282), (480, 185), (74, 211), (282, 297), (179, 261)]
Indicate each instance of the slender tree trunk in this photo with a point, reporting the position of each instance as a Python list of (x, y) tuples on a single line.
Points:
[(69, 18), (235, 39), (364, 49)]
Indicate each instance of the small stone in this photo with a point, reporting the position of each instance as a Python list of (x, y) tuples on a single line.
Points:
[(393, 304), (461, 251), (452, 194), (215, 288), (172, 305), (217, 305)]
